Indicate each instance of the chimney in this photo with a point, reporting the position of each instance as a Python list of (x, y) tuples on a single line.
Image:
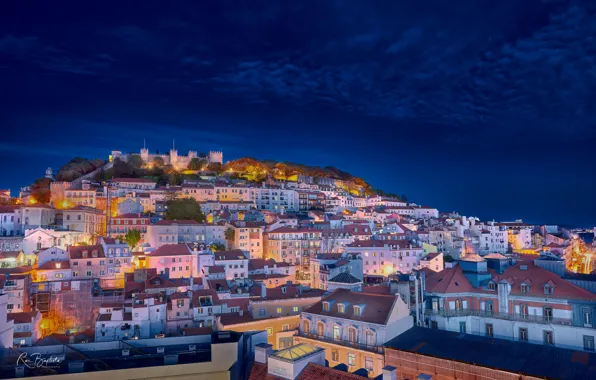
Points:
[(262, 352), (389, 373), (263, 290)]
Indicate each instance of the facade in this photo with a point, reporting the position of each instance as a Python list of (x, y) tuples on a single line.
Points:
[(235, 263), (121, 224), (36, 215), (294, 245), (73, 197), (328, 265), (275, 199), (516, 301), (248, 237), (184, 231), (385, 257), (16, 287), (10, 224), (27, 328), (172, 260), (352, 327), (39, 238), (88, 220)]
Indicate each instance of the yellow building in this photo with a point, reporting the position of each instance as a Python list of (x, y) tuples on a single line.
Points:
[(280, 331)]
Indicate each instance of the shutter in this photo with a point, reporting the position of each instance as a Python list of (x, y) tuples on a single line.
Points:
[(482, 305), (465, 305), (517, 309), (451, 305)]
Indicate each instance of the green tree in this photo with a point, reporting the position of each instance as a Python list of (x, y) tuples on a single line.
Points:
[(136, 161), (230, 235), (184, 209), (132, 238), (40, 190), (215, 167), (216, 247), (122, 168), (196, 163), (158, 161)]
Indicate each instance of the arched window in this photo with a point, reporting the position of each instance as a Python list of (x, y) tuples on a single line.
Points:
[(306, 326), (370, 338), (336, 332), (353, 335), (321, 329)]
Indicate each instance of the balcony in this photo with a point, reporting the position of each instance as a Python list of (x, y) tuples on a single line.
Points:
[(341, 342), (506, 316)]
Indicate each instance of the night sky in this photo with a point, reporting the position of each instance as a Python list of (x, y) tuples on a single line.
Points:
[(481, 106)]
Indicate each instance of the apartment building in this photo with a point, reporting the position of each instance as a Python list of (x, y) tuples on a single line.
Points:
[(121, 224), (172, 260), (27, 328), (88, 220), (519, 301), (294, 245), (352, 327), (385, 257), (16, 287), (275, 198), (248, 237), (184, 231), (235, 264), (328, 265)]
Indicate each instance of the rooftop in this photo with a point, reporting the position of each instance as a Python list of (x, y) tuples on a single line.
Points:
[(515, 357), (345, 278)]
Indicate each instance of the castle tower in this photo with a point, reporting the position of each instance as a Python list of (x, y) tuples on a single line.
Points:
[(173, 154), (192, 154), (49, 173), (215, 157)]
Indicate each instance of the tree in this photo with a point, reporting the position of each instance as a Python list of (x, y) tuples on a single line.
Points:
[(230, 235), (158, 161), (136, 161), (215, 167), (215, 247), (132, 238), (196, 163), (40, 190), (184, 209), (122, 168)]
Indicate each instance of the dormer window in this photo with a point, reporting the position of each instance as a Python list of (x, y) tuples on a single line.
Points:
[(548, 289), (94, 253), (85, 253), (357, 311), (524, 288), (325, 306), (341, 308), (492, 286), (58, 265)]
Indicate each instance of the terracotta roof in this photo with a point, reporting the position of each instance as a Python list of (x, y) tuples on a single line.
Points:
[(401, 244), (135, 180), (171, 250), (376, 307), (376, 289), (131, 216), (179, 295), (53, 265), (23, 317), (235, 318), (9, 254), (495, 256), (234, 254), (312, 371), (216, 269), (79, 208), (291, 291), (285, 230), (256, 264), (76, 251), (472, 257), (174, 221), (449, 280), (431, 256)]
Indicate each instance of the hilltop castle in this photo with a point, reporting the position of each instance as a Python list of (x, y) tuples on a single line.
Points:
[(173, 158)]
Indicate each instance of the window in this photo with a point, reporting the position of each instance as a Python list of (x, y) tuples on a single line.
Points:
[(525, 288), (335, 355), (462, 327), (279, 310), (548, 314), (357, 311), (587, 313), (341, 308), (588, 343), (368, 364), (320, 329), (523, 311), (351, 359), (325, 306), (269, 331), (295, 309), (548, 289), (285, 328), (306, 326), (489, 329), (370, 338), (523, 334), (352, 335), (491, 286), (336, 332), (548, 337)]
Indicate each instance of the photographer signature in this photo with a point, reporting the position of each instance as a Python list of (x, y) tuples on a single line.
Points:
[(36, 361)]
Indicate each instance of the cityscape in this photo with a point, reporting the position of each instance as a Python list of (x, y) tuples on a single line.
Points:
[(299, 191)]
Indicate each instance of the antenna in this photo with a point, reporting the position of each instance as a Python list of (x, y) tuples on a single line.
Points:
[(173, 144), (144, 145)]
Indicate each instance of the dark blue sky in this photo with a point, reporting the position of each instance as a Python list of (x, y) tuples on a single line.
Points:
[(481, 106)]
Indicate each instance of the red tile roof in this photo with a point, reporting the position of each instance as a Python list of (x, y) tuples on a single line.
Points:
[(175, 221), (23, 317), (234, 254), (9, 254), (76, 251), (53, 265), (171, 250), (376, 310), (312, 371)]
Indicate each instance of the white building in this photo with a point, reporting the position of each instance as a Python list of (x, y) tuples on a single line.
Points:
[(37, 215), (235, 263), (275, 199), (184, 231), (385, 257), (39, 238), (10, 224), (6, 326), (27, 328)]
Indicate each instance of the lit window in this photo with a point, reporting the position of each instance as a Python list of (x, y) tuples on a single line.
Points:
[(269, 331), (351, 359), (279, 310)]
